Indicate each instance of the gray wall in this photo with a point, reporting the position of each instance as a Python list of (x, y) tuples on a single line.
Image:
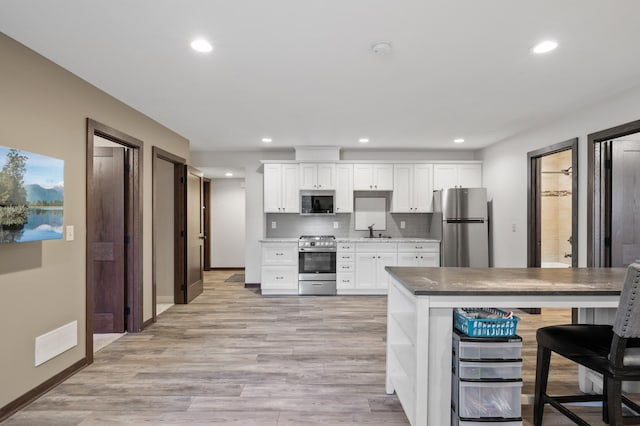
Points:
[(42, 284), (164, 227)]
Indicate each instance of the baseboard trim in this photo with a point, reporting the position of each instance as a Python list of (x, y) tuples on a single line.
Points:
[(147, 323), (227, 269), (251, 285), (35, 393)]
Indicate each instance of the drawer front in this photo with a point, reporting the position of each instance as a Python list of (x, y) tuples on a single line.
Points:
[(346, 280), (376, 247), (346, 247), (345, 267), (490, 370), (345, 257), (279, 254), (490, 350), (429, 247), (489, 399), (283, 278)]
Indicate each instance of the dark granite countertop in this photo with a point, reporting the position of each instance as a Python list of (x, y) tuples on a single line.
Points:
[(510, 281)]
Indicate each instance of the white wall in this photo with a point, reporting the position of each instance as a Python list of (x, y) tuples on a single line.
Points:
[(505, 173), (227, 223), (164, 228)]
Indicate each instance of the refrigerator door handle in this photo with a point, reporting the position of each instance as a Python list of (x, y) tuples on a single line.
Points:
[(464, 220)]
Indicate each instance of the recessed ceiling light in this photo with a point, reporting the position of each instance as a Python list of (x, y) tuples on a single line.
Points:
[(363, 140), (201, 45), (545, 46), (458, 140), (267, 140), (228, 174)]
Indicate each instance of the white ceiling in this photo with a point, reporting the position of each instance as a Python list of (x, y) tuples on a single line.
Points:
[(302, 72)]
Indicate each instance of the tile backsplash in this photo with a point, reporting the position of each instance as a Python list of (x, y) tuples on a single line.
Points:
[(417, 225)]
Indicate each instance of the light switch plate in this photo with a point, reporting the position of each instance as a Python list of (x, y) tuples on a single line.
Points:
[(273, 225), (403, 224), (70, 235), (336, 225)]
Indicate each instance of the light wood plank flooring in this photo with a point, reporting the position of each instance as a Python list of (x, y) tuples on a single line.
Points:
[(235, 357)]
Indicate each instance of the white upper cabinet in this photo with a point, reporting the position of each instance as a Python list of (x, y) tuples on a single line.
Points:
[(457, 176), (412, 188), (317, 176), (281, 188), (373, 177), (344, 188)]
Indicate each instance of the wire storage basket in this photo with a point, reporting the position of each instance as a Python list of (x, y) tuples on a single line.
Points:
[(485, 322)]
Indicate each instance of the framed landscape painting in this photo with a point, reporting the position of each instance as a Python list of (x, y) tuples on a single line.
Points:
[(31, 196)]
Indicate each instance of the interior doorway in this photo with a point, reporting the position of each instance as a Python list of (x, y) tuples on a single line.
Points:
[(114, 233), (613, 227), (168, 248), (553, 206)]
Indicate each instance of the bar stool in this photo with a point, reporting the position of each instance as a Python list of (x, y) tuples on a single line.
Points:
[(613, 351)]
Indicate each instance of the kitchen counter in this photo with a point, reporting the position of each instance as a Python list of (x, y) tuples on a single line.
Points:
[(420, 320), (510, 281), (386, 240), (280, 240)]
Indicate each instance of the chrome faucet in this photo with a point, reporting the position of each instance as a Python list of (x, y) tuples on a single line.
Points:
[(371, 230)]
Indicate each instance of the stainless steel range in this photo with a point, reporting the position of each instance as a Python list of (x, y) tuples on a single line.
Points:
[(317, 265)]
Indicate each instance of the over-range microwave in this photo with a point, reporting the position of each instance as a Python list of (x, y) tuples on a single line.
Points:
[(316, 202)]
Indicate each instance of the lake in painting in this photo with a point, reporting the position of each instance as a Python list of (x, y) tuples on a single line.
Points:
[(31, 196)]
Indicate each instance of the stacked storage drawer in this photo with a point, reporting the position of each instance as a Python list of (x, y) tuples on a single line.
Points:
[(345, 266), (486, 381)]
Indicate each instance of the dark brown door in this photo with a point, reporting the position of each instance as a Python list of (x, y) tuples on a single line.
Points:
[(108, 254), (625, 204), (195, 233)]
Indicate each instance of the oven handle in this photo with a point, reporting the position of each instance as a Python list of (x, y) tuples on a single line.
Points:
[(318, 250)]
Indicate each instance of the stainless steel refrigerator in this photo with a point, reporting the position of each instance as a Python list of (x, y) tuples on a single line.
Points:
[(460, 222)]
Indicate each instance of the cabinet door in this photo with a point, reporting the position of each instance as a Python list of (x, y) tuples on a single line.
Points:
[(362, 177), (429, 259), (383, 177), (409, 259), (422, 188), (402, 188), (272, 188), (344, 188), (326, 176), (290, 188), (445, 176), (384, 259), (470, 175), (308, 176), (366, 270)]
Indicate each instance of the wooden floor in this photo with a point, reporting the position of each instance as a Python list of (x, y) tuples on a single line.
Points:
[(235, 357)]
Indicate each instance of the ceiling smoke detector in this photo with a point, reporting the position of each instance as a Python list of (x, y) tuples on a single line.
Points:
[(381, 49)]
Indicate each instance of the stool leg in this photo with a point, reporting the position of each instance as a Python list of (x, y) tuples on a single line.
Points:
[(605, 400), (542, 375), (614, 401)]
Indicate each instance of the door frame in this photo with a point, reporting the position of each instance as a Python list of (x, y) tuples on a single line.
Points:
[(598, 195), (533, 205), (179, 254), (133, 250), (206, 202)]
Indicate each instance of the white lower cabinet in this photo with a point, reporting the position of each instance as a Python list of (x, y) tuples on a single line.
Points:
[(279, 273), (371, 259), (419, 254)]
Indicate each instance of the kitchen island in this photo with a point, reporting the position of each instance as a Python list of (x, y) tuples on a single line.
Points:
[(420, 320)]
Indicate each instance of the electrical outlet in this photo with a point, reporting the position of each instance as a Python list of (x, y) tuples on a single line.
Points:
[(403, 224), (70, 233), (336, 225), (273, 225)]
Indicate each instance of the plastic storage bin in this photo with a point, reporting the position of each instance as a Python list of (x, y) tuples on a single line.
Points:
[(490, 350), (489, 399), (467, 321), (478, 370)]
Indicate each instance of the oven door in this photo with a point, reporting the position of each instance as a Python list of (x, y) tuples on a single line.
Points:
[(316, 265)]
